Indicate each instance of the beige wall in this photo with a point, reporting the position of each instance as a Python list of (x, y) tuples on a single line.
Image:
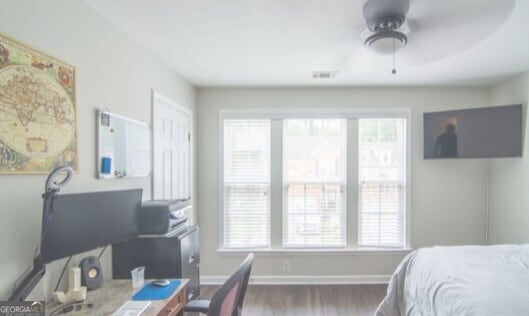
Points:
[(509, 178), (448, 197), (112, 72)]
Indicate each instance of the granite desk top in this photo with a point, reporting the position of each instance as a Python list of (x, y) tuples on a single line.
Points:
[(110, 297)]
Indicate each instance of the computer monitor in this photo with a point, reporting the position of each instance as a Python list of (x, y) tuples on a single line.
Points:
[(86, 221)]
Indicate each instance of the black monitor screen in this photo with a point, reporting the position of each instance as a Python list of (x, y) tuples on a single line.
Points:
[(474, 133), (85, 221)]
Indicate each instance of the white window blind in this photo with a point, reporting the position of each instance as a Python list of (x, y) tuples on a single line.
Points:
[(382, 177), (246, 183), (314, 152)]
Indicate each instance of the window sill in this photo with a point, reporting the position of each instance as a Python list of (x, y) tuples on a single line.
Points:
[(313, 251)]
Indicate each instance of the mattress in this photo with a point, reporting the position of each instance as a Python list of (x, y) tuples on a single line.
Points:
[(465, 280)]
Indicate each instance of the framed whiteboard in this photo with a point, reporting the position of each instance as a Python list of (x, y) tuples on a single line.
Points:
[(124, 147)]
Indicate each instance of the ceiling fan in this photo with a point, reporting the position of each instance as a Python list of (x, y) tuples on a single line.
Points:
[(429, 29), (384, 19)]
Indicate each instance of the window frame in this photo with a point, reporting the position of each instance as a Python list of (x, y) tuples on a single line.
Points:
[(349, 114), (285, 184), (222, 190), (402, 185)]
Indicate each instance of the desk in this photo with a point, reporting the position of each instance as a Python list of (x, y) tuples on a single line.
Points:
[(114, 293)]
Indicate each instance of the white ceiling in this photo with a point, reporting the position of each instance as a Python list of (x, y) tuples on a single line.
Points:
[(280, 42)]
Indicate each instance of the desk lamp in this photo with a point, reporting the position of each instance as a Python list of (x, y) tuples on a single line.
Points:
[(57, 179)]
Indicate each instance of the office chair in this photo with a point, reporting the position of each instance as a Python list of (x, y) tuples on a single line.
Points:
[(228, 299)]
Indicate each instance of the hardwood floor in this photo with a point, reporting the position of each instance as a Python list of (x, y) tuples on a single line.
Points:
[(308, 300)]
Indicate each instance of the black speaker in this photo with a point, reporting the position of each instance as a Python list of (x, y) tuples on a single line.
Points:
[(91, 273)]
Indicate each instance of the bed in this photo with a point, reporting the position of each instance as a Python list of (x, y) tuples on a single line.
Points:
[(465, 280)]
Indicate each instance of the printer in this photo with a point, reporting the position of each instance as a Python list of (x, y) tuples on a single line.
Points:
[(159, 217)]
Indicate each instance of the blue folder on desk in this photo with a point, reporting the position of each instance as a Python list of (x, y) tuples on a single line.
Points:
[(151, 292)]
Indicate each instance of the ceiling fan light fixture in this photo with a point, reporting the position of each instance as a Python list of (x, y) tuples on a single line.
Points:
[(386, 42)]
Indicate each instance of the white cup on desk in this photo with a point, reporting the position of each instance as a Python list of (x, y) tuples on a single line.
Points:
[(138, 276)]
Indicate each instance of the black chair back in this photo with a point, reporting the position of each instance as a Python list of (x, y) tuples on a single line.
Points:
[(229, 298)]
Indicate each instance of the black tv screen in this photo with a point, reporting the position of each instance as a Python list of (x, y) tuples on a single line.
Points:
[(85, 221), (489, 132)]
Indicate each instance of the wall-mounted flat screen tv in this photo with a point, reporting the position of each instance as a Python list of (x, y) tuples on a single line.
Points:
[(489, 132)]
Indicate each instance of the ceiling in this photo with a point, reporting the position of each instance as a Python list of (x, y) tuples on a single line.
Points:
[(280, 42)]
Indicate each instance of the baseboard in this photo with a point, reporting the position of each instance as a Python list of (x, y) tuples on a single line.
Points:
[(303, 279)]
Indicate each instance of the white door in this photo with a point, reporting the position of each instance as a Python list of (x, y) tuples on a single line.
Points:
[(171, 149)]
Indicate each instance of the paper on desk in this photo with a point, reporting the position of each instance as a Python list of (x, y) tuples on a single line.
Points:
[(132, 308)]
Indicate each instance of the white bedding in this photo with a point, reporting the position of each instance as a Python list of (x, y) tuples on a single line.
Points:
[(466, 280)]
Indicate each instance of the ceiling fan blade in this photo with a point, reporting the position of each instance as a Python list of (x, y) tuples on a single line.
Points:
[(439, 29)]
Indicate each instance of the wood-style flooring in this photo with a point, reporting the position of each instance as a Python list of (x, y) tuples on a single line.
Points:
[(308, 300)]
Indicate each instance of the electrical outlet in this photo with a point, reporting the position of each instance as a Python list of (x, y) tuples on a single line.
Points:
[(286, 265)]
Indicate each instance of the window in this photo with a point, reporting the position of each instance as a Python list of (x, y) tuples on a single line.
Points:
[(382, 184), (314, 173), (246, 183), (314, 182)]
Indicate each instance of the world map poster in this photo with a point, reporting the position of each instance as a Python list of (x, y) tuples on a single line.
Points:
[(38, 126)]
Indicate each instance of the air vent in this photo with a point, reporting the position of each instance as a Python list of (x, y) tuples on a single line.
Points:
[(324, 74)]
